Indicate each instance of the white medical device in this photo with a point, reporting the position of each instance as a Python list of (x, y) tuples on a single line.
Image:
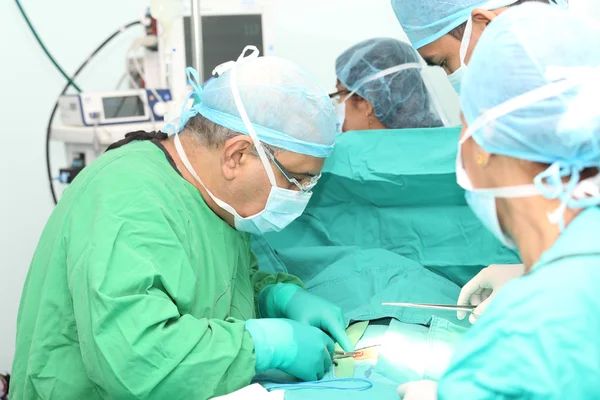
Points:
[(227, 26), (109, 108), (205, 34), (209, 33)]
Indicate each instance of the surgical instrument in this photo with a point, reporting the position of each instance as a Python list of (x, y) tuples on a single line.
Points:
[(339, 354), (332, 384), (449, 307)]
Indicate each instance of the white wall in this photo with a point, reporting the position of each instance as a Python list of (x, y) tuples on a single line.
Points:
[(30, 84)]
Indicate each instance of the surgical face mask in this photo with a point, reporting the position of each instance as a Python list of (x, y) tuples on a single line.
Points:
[(548, 184), (283, 206), (340, 114), (483, 201), (457, 76)]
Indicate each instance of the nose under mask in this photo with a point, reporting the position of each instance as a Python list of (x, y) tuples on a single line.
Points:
[(457, 76), (340, 113)]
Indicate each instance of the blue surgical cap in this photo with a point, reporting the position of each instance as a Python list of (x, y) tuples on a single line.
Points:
[(286, 106), (425, 21), (400, 99), (530, 49)]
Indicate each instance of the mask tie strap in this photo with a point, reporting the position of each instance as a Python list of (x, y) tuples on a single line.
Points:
[(194, 80), (244, 115), (185, 115), (550, 185), (466, 40)]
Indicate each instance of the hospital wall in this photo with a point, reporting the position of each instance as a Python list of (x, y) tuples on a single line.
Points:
[(309, 32), (29, 86)]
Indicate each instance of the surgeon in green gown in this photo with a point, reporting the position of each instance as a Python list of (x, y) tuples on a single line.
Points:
[(143, 284)]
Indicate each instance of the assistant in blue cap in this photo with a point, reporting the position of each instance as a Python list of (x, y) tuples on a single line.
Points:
[(440, 32), (529, 158), (380, 86)]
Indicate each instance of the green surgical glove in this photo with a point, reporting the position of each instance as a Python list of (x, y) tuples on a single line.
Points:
[(285, 300), (300, 350)]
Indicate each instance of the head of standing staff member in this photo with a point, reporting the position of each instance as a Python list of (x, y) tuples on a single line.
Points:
[(380, 86), (529, 158), (143, 284), (446, 32)]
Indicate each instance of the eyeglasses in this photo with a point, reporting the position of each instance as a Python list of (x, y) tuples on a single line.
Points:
[(339, 95), (304, 186)]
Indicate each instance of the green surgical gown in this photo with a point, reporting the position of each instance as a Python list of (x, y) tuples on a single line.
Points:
[(538, 339), (136, 290)]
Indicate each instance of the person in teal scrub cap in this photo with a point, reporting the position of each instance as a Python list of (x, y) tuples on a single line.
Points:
[(529, 158), (446, 32), (380, 86), (143, 285)]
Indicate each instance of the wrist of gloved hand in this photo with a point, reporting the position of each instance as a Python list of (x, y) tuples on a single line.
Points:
[(273, 299), (300, 350), (285, 300), (263, 350)]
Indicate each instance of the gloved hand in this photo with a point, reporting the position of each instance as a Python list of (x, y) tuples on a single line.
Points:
[(419, 390), (285, 300), (480, 290), (300, 350)]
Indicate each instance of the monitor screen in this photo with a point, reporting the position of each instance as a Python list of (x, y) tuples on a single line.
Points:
[(123, 106), (224, 37)]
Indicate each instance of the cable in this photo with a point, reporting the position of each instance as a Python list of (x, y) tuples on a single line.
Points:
[(63, 73), (69, 84)]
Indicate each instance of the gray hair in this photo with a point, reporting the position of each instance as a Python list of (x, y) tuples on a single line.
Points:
[(209, 134)]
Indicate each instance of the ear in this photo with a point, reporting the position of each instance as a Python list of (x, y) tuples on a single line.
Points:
[(482, 17), (364, 106), (236, 153), (483, 157)]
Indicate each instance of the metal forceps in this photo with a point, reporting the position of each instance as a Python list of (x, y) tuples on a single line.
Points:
[(450, 307), (338, 354)]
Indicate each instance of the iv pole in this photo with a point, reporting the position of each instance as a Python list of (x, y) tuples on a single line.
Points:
[(197, 45)]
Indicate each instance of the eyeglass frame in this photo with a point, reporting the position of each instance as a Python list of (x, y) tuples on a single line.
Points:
[(309, 185)]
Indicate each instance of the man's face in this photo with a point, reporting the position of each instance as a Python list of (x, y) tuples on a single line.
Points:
[(445, 52), (248, 184)]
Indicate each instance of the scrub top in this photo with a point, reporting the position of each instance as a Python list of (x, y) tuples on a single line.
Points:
[(538, 339), (137, 290)]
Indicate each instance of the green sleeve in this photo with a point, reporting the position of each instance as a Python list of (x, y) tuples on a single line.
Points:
[(262, 279), (130, 276)]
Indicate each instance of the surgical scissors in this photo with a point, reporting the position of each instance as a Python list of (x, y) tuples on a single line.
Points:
[(450, 307)]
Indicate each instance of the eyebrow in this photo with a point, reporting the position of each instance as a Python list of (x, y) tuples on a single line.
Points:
[(303, 174)]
